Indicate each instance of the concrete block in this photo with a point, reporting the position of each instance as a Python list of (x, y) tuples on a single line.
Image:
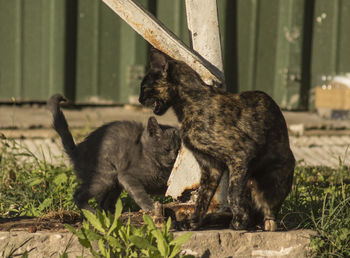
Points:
[(207, 243), (230, 243)]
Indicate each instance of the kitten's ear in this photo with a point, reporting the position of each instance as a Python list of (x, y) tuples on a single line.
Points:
[(153, 127), (159, 62)]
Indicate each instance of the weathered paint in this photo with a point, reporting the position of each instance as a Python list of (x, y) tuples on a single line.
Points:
[(185, 174), (205, 33)]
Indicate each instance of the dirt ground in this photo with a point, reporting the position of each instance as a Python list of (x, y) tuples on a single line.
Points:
[(55, 221)]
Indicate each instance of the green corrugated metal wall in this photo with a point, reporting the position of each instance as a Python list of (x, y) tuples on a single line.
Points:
[(111, 57), (81, 48), (32, 45)]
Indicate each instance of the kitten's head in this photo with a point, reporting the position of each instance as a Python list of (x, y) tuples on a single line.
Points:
[(161, 142), (156, 88)]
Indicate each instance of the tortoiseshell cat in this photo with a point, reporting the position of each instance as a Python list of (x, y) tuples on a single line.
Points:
[(117, 155), (244, 133)]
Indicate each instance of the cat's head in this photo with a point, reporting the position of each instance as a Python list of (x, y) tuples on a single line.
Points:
[(156, 88), (161, 142)]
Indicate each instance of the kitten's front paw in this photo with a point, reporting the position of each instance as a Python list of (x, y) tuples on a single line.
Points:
[(158, 220), (156, 214)]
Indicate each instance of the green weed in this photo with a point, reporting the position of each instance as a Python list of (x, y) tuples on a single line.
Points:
[(320, 200), (32, 187), (114, 239)]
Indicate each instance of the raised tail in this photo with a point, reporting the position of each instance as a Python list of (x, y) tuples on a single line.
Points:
[(59, 123)]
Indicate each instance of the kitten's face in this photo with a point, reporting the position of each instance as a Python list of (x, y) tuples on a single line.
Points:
[(169, 145), (163, 142), (155, 88)]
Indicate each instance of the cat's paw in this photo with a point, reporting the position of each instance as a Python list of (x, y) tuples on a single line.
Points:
[(158, 220), (270, 225), (158, 214), (194, 225)]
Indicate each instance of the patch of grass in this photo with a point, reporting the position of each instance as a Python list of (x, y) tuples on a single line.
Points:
[(320, 200), (32, 187)]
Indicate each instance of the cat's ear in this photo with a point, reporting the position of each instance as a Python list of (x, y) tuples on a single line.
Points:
[(153, 127), (158, 60)]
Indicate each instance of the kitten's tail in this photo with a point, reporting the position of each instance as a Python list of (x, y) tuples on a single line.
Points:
[(59, 123)]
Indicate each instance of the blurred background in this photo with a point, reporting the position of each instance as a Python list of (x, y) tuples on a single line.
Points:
[(82, 49)]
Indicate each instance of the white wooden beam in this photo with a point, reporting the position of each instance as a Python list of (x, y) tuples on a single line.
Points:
[(202, 22)]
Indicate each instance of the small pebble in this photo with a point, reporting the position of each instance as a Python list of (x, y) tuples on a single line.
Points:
[(32, 229)]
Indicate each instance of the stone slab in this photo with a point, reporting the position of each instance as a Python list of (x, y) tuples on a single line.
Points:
[(230, 243), (208, 243)]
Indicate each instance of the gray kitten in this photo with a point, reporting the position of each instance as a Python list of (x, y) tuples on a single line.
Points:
[(117, 155)]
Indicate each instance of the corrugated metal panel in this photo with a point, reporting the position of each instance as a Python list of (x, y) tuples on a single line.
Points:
[(173, 15), (269, 37), (111, 57), (81, 48), (31, 48), (227, 10)]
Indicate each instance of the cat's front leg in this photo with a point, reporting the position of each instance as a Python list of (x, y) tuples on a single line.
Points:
[(135, 188), (211, 173), (238, 200)]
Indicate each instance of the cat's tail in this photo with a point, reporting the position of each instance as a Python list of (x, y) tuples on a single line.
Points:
[(59, 123)]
